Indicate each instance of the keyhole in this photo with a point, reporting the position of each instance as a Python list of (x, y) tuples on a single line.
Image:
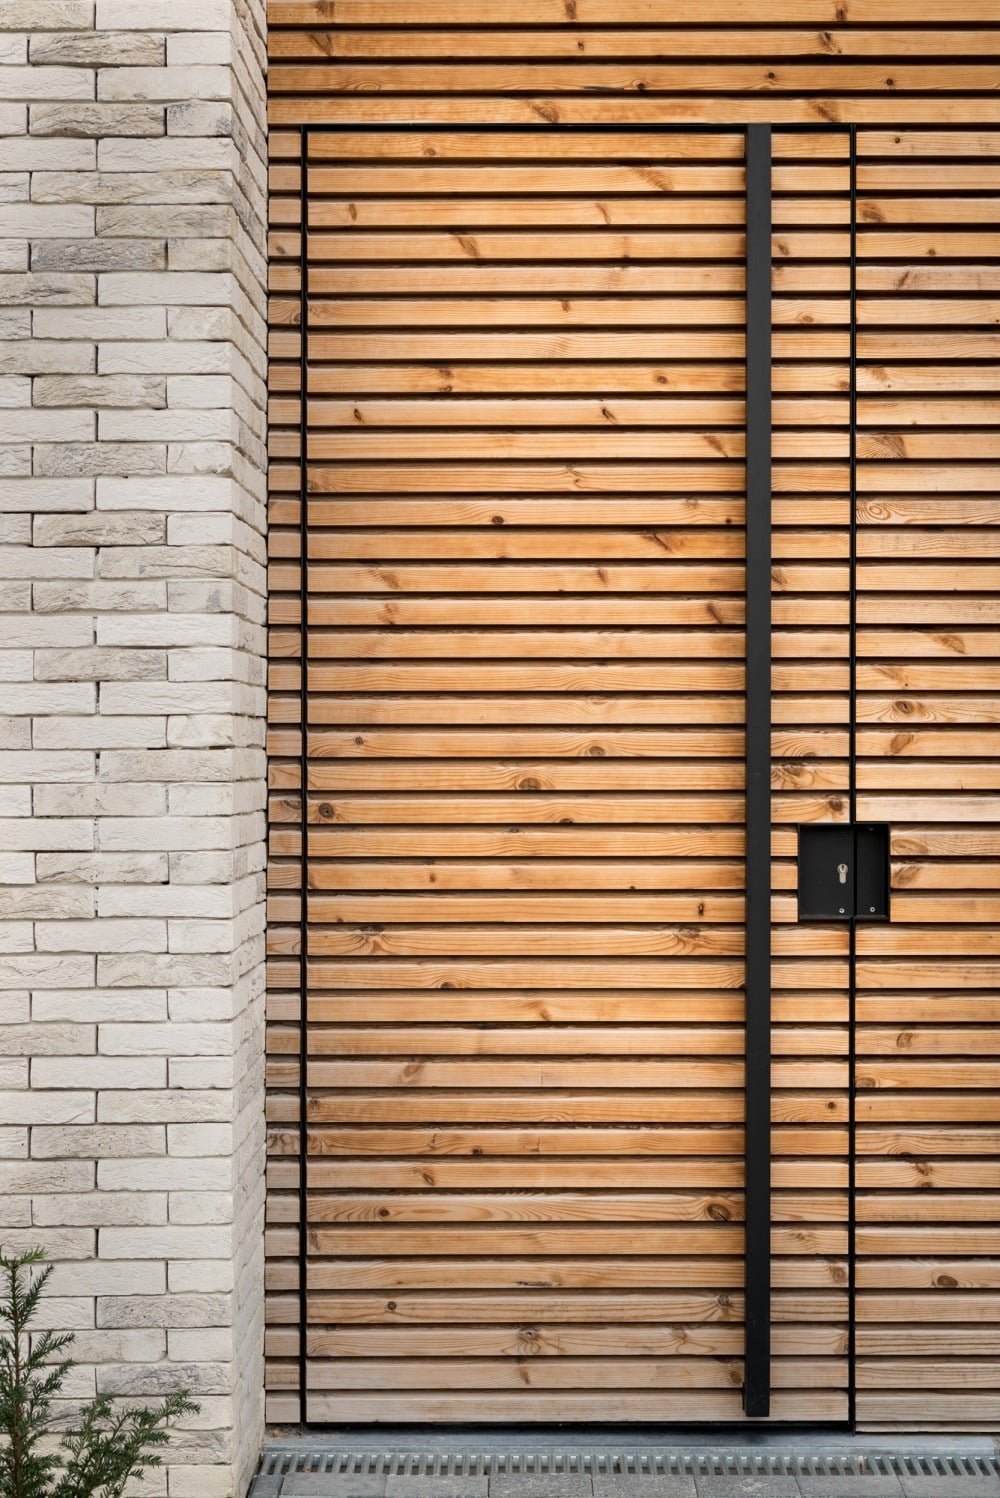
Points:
[(842, 871)]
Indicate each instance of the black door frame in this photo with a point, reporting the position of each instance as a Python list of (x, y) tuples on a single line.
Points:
[(757, 1152), (758, 1043)]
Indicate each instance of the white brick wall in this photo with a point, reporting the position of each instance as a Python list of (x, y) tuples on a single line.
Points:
[(132, 589)]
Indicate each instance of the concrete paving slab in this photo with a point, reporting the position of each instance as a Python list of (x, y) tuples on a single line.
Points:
[(865, 1485), (642, 1485), (951, 1487), (267, 1487), (436, 1487), (762, 1485), (541, 1485), (333, 1485), (648, 1486)]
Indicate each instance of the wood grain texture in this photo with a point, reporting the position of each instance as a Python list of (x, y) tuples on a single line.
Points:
[(526, 359), (927, 1171), (422, 784)]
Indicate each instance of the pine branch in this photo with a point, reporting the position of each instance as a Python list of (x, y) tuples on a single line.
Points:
[(106, 1450)]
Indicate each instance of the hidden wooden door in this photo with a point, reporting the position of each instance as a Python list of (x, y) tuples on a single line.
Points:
[(512, 435)]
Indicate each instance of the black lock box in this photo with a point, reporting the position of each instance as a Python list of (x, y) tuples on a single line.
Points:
[(843, 871)]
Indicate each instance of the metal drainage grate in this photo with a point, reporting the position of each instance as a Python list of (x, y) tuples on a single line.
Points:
[(670, 1463)]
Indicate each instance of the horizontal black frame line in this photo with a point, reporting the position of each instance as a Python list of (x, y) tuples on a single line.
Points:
[(558, 127), (757, 1262)]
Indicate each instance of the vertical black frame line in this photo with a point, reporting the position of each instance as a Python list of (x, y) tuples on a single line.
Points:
[(757, 1259), (852, 753), (303, 760)]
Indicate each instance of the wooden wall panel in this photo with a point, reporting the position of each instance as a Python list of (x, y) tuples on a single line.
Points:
[(879, 63), (928, 712), (406, 62), (525, 708)]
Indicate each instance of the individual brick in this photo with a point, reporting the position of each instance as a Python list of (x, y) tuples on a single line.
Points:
[(97, 120), (166, 1174), (38, 903), (169, 765), (71, 765), (101, 391), (172, 492), (15, 801), (101, 733), (111, 1209), (48, 358), (40, 154), (49, 494), (201, 117), (167, 358), (46, 83), (99, 255), (142, 1005), (24, 15), (95, 458), (38, 697), (46, 220), (98, 1142), (63, 562), (166, 1040), (167, 154), (159, 1106), (101, 323), (99, 800), (162, 1310), (99, 48), (97, 868), (109, 1278), (94, 663), (166, 15), (160, 222), (47, 426), (60, 598), (192, 186), (186, 49), (71, 835), (99, 529), (177, 427), (37, 1107), (40, 289), (13, 252), (48, 1040), (157, 83), (98, 1072)]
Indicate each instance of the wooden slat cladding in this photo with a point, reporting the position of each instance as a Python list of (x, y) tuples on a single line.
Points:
[(929, 1017), (449, 604), (632, 62), (924, 96), (525, 903), (284, 1034), (810, 709)]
